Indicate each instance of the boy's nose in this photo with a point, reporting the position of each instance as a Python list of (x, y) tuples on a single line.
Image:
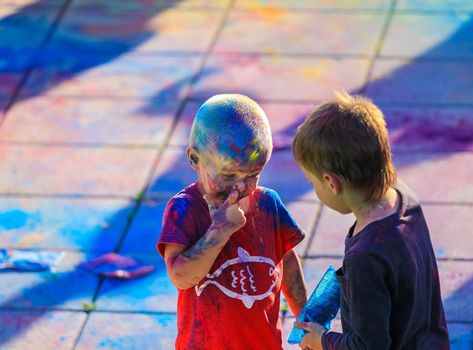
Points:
[(240, 186)]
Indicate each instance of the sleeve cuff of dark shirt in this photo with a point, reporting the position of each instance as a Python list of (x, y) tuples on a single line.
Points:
[(326, 339)]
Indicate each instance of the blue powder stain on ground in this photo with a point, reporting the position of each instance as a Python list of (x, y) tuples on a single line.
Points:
[(13, 219)]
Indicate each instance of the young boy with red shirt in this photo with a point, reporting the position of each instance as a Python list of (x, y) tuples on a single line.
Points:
[(389, 281), (228, 243)]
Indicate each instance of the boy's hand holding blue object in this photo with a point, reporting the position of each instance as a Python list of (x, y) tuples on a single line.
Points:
[(313, 339), (322, 307)]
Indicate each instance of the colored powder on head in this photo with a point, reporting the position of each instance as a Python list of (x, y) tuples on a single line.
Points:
[(254, 155), (234, 148)]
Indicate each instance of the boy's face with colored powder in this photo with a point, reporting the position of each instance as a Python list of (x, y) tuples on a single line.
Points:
[(219, 175)]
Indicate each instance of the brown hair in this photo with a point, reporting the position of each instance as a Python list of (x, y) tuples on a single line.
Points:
[(347, 136)]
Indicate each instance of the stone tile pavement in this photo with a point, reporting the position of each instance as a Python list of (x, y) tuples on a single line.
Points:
[(96, 102)]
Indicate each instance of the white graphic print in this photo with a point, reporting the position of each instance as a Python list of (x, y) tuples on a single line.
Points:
[(242, 284)]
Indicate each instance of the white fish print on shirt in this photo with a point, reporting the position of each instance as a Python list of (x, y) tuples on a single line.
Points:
[(243, 285)]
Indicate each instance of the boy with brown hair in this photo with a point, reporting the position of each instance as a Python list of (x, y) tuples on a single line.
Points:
[(390, 290), (228, 243)]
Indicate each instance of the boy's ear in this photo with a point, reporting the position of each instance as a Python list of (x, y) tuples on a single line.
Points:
[(193, 157), (333, 182)]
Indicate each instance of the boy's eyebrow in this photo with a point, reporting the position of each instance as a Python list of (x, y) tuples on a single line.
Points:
[(232, 171), (225, 170)]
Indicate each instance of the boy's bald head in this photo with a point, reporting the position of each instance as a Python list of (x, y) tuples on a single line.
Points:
[(233, 126)]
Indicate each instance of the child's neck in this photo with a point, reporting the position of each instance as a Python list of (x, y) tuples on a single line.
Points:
[(368, 213)]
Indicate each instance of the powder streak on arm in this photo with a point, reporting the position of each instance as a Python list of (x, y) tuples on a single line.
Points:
[(293, 285)]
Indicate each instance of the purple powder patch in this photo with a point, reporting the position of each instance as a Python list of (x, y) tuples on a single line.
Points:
[(112, 265)]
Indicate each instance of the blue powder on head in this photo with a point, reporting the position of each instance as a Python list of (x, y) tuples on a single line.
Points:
[(234, 126)]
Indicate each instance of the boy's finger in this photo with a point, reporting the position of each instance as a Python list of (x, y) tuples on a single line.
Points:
[(303, 325), (231, 199), (245, 204)]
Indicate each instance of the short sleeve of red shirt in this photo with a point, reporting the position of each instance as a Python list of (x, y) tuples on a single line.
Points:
[(176, 217), (185, 215)]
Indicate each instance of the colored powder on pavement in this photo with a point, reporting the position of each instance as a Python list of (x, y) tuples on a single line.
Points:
[(13, 219)]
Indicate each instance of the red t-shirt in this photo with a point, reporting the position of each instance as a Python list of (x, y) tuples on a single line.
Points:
[(236, 306)]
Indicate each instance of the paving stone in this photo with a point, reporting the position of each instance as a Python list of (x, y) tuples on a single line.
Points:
[(305, 214), (58, 223), (448, 225), (420, 83), (145, 228), (332, 228), (112, 75), (51, 290), (283, 175), (436, 5), (66, 170), (275, 5), (23, 30), (428, 36), (329, 236), (172, 174), (39, 330), (96, 121), (8, 83), (128, 331), (315, 268), (200, 3), (153, 292), (456, 281), (461, 336), (180, 136), (152, 5), (284, 118), (283, 31), (286, 330), (101, 27), (429, 174), (19, 4), (266, 77), (422, 128)]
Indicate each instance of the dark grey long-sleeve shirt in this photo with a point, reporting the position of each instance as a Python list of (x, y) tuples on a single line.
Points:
[(390, 290)]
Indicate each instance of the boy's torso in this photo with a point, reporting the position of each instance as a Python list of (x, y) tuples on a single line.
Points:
[(401, 243), (240, 294)]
